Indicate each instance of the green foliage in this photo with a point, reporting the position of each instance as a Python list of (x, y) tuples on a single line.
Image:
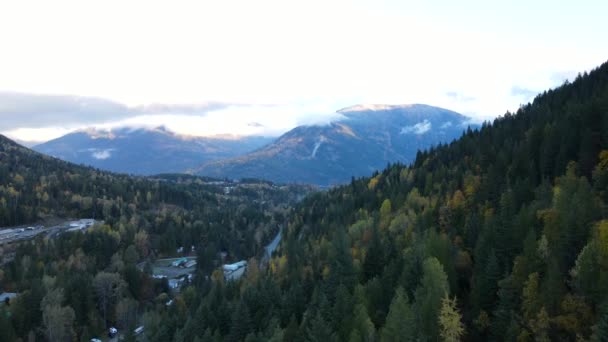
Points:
[(400, 322), (601, 329), (509, 221), (319, 330), (531, 298), (145, 218), (363, 328), (429, 295)]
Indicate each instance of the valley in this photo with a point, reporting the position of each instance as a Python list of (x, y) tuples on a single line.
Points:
[(501, 231), (303, 171)]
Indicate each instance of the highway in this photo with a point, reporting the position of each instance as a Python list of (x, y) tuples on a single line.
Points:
[(22, 233)]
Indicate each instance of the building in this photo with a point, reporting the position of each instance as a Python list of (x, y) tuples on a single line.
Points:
[(81, 224), (235, 266), (235, 271)]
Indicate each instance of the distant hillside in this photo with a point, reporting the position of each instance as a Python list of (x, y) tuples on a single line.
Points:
[(145, 151), (364, 140), (501, 235), (144, 218)]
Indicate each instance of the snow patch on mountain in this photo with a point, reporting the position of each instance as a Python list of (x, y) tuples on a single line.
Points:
[(95, 133), (316, 148), (418, 129), (101, 154), (447, 124)]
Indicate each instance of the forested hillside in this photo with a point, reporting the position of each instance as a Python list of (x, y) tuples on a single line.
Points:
[(144, 219), (500, 235)]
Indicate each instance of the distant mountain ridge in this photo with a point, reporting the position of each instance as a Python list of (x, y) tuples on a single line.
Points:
[(145, 151), (364, 140)]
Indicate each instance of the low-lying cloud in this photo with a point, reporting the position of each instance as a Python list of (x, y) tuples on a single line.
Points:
[(21, 110), (527, 94), (559, 77), (31, 117), (102, 154), (457, 96), (418, 129)]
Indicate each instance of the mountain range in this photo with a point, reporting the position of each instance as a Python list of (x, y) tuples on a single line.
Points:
[(364, 139), (500, 235), (145, 151)]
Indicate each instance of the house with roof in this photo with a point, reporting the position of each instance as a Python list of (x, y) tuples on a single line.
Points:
[(234, 271)]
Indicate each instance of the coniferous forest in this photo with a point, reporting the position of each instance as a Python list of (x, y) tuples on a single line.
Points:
[(501, 235)]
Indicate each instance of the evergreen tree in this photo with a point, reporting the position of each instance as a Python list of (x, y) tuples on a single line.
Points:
[(531, 302), (601, 329), (363, 327), (400, 322), (7, 332), (343, 313), (291, 331), (433, 288), (374, 258), (342, 270), (412, 270), (488, 283), (241, 323), (505, 310), (319, 330)]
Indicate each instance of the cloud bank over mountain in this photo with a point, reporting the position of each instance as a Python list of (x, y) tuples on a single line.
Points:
[(41, 110), (36, 117)]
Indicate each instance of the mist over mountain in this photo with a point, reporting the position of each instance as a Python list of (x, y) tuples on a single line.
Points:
[(365, 139), (499, 235)]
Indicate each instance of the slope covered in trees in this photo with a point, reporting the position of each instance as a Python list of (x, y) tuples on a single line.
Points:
[(60, 280), (500, 235)]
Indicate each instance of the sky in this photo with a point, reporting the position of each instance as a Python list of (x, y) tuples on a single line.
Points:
[(263, 67)]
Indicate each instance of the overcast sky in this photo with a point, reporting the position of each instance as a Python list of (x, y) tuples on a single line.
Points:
[(262, 67)]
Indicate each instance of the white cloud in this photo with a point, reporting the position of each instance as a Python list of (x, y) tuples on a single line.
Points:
[(264, 120), (22, 110), (38, 135), (418, 129), (270, 120), (102, 154), (465, 56)]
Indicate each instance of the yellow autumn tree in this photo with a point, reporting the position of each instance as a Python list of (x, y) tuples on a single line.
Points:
[(450, 320)]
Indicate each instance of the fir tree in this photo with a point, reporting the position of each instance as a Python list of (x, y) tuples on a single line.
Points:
[(433, 288), (400, 322)]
